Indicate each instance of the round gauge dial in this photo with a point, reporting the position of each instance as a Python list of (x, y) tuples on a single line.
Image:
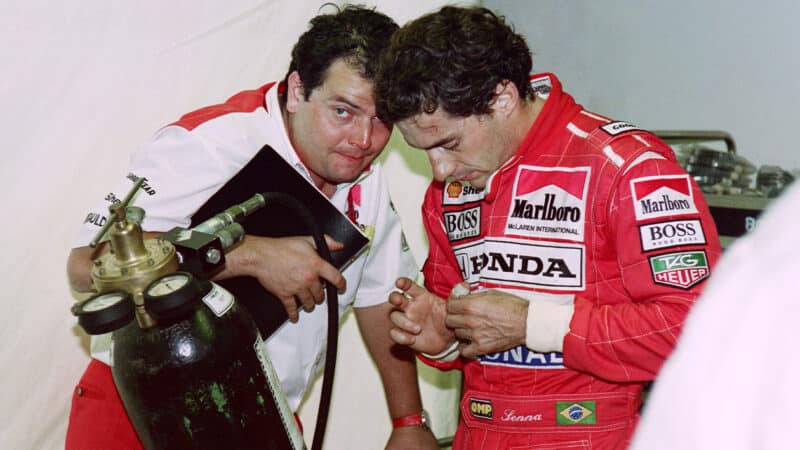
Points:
[(173, 296), (168, 284), (104, 301), (104, 312)]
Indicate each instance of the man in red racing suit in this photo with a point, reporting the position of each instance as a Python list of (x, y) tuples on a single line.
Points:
[(590, 215), (595, 230)]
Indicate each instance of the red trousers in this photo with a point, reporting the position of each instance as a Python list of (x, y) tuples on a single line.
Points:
[(97, 419)]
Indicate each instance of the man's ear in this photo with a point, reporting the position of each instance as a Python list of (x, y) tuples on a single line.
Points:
[(294, 92), (506, 98)]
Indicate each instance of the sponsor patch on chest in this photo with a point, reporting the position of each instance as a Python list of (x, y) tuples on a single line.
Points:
[(458, 193), (549, 202), (680, 269), (662, 196), (522, 263), (463, 224)]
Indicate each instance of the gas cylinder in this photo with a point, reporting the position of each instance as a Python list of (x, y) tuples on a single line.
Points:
[(191, 370)]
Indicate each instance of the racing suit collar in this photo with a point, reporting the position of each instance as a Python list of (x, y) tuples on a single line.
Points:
[(547, 86)]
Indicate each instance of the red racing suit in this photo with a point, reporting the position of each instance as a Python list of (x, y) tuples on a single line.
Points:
[(590, 212)]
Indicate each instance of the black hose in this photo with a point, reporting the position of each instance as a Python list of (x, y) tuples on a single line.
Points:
[(333, 311)]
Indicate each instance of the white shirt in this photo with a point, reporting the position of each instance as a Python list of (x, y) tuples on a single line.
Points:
[(184, 168)]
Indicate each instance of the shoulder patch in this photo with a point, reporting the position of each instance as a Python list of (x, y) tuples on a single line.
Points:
[(682, 269), (615, 128), (662, 196)]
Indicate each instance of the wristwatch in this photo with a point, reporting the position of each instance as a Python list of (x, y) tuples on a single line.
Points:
[(420, 419)]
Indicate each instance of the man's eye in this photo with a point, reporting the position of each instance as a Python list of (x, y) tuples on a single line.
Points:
[(341, 112)]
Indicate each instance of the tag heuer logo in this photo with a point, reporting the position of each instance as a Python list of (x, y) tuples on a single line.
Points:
[(683, 269), (576, 413)]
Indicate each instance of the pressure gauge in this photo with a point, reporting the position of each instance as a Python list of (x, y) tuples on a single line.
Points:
[(174, 295), (104, 312)]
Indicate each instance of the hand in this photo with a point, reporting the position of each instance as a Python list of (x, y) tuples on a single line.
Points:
[(487, 322), (289, 268), (412, 438), (419, 318)]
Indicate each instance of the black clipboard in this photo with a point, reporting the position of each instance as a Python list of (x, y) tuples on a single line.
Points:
[(269, 172)]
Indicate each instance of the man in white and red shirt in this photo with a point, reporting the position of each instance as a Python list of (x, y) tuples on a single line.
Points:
[(570, 246), (321, 119)]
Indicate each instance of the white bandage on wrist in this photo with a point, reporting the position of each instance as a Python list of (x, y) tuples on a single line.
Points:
[(546, 325), (449, 354)]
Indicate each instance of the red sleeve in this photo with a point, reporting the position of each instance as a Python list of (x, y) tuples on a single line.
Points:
[(627, 334), (441, 269)]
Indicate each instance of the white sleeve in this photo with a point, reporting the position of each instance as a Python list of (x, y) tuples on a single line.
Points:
[(389, 256), (181, 170)]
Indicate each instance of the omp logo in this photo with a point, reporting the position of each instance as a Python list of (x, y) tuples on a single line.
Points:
[(481, 409), (671, 234), (576, 413), (463, 224), (667, 195), (682, 269), (549, 202), (523, 358), (615, 128), (458, 193), (517, 262)]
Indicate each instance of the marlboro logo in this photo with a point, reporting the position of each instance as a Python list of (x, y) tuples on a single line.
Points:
[(682, 270), (549, 202), (668, 195)]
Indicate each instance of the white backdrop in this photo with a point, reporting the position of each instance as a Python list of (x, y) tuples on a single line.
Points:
[(681, 64), (82, 84)]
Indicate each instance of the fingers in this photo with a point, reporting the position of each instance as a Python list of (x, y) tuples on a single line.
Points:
[(398, 300), (332, 275), (411, 288), (333, 244), (290, 305), (401, 337), (403, 323)]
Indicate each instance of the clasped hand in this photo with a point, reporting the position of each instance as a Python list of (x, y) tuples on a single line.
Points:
[(484, 322)]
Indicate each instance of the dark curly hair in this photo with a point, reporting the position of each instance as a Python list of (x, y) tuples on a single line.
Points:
[(355, 33), (453, 58)]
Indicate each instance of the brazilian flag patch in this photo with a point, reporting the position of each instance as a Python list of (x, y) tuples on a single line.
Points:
[(576, 413)]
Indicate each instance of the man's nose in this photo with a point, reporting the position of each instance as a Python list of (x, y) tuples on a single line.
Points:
[(361, 134), (441, 165)]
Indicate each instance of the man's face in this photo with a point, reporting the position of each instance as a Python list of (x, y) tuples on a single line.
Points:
[(335, 131), (463, 148)]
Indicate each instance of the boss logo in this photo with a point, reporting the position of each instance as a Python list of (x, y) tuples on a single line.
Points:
[(463, 224), (481, 409), (671, 234)]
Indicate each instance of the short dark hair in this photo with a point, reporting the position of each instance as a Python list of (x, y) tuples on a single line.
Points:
[(354, 33), (453, 59)]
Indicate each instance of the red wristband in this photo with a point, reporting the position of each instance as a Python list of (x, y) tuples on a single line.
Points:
[(414, 420)]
